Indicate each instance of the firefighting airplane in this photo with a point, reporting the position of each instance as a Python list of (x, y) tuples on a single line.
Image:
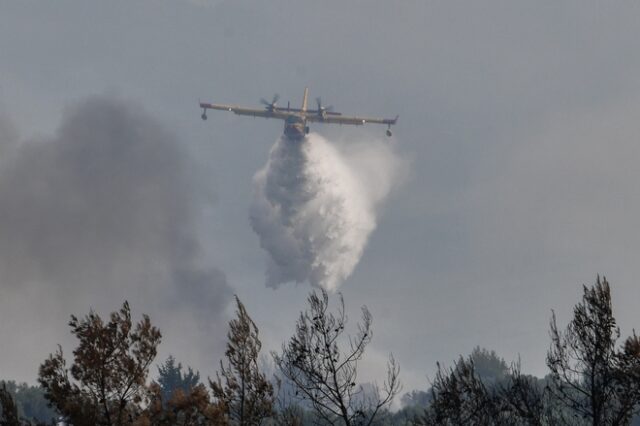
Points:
[(295, 119)]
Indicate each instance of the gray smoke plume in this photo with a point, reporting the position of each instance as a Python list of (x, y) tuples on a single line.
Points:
[(315, 207), (105, 210)]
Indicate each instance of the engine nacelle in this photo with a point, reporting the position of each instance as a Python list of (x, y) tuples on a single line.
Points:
[(204, 116), (389, 132)]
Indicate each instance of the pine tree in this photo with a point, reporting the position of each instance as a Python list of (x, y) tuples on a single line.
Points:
[(171, 378), (107, 380), (324, 368), (240, 388)]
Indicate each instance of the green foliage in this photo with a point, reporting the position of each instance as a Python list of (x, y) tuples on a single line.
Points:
[(30, 401), (171, 378), (8, 408), (489, 367)]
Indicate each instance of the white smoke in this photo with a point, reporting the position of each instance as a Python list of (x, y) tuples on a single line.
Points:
[(314, 207)]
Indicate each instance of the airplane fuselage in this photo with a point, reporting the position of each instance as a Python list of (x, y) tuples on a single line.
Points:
[(295, 127)]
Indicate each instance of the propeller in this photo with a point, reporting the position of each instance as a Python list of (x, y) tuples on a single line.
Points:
[(322, 109), (270, 105)]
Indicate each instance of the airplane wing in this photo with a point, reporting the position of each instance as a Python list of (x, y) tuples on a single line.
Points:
[(308, 111), (354, 121), (254, 112)]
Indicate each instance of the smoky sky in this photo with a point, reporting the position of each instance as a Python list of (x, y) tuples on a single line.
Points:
[(104, 211)]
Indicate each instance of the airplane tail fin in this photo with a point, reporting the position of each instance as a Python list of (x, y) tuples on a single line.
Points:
[(304, 99)]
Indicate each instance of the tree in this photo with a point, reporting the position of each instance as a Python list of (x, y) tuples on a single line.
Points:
[(592, 381), (107, 380), (180, 399), (324, 370), (171, 378), (192, 407), (30, 402), (461, 396), (9, 410), (244, 392), (489, 367), (416, 398), (595, 382)]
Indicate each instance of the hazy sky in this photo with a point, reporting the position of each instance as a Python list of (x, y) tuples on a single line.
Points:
[(518, 130)]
